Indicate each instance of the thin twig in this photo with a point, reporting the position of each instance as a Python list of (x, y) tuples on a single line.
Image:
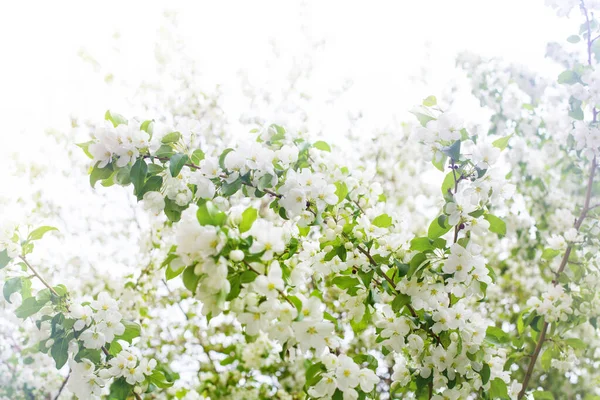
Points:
[(62, 386), (178, 304), (39, 276)]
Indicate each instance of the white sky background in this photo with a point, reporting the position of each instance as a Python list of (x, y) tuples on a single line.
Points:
[(379, 45)]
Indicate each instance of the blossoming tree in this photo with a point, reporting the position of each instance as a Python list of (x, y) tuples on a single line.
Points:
[(300, 272)]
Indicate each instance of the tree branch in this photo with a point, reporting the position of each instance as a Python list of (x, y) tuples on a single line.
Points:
[(62, 386), (561, 268)]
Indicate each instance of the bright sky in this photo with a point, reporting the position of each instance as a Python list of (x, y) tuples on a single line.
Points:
[(380, 45)]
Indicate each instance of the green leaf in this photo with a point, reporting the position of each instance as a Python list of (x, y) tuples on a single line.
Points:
[(85, 146), (345, 282), (228, 189), (453, 151), (439, 164), (421, 244), (448, 183), (496, 224), (176, 163), (28, 307), (575, 110), (190, 279), (173, 210), (132, 330), (485, 373), (573, 39), (171, 273), (496, 335), (222, 158), (321, 145), (400, 301), (209, 214), (576, 343), (248, 217), (98, 174), (498, 389), (164, 151), (123, 176), (4, 259), (501, 143), (568, 77), (430, 101), (115, 348), (147, 126), (171, 137), (543, 395), (11, 286), (549, 254), (383, 221), (265, 181), (116, 119), (138, 174), (59, 352), (153, 184), (158, 378), (40, 232), (341, 190), (436, 230), (313, 373), (423, 118), (119, 390), (197, 156)]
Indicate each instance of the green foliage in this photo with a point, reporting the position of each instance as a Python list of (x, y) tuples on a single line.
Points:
[(4, 259), (502, 143), (430, 101), (172, 137), (116, 119), (38, 233), (138, 175), (59, 352), (248, 217), (100, 174), (341, 190), (496, 224), (438, 227), (383, 221), (568, 77), (496, 336), (119, 389), (190, 279), (321, 145), (132, 330), (209, 214), (176, 163)]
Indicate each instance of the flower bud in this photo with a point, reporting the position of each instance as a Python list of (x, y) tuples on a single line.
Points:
[(236, 255)]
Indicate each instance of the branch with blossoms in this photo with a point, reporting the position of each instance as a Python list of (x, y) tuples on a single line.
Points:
[(349, 229), (91, 337)]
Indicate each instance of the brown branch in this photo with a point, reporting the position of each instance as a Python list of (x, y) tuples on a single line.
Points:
[(62, 386), (39, 276), (561, 268)]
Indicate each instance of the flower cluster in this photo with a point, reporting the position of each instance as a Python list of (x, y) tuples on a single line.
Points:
[(101, 321), (121, 144), (343, 374), (555, 304)]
